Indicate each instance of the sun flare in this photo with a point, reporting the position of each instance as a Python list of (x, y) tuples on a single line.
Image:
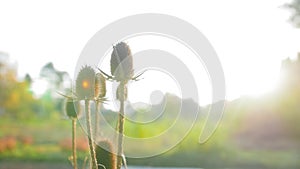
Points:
[(85, 84)]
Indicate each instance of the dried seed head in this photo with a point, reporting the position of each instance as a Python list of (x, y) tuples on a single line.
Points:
[(85, 83), (72, 108), (105, 156), (100, 85), (121, 63)]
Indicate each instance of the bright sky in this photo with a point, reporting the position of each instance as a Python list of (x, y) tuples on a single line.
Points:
[(250, 37)]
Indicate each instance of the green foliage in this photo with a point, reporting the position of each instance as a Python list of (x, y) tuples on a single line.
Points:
[(54, 77), (15, 98), (295, 9), (258, 121)]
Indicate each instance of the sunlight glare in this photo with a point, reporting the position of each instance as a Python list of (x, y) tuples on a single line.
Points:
[(39, 87)]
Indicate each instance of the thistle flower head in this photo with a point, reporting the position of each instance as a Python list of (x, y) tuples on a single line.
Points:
[(100, 86), (121, 63), (72, 108), (85, 83), (105, 156)]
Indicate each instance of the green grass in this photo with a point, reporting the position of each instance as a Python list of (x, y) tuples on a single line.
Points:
[(219, 152)]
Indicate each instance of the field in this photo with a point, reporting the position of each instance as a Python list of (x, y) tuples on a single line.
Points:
[(45, 143)]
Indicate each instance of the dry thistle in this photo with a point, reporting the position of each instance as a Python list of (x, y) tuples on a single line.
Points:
[(122, 69), (85, 83), (73, 111), (121, 66), (89, 86), (105, 156), (121, 63), (100, 91), (72, 108), (85, 90), (100, 86)]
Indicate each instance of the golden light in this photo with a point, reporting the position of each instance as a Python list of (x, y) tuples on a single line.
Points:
[(85, 84)]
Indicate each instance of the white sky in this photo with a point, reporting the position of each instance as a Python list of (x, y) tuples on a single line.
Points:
[(250, 37)]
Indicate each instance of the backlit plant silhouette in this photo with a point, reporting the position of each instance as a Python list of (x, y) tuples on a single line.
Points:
[(88, 87), (91, 86), (121, 67), (105, 155), (100, 91), (73, 111)]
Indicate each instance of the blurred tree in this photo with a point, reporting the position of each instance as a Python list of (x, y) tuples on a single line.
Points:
[(28, 79), (290, 101), (55, 78), (7, 79), (57, 81), (289, 95), (294, 6), (15, 98)]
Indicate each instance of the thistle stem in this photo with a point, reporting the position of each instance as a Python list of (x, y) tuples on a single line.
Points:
[(121, 126), (74, 143), (97, 121), (90, 135)]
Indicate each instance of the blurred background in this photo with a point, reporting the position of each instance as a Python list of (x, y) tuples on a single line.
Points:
[(257, 43)]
